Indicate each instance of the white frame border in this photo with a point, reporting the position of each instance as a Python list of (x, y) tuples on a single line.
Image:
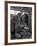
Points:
[(20, 40)]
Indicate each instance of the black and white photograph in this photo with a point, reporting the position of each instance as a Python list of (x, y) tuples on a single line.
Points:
[(20, 22)]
